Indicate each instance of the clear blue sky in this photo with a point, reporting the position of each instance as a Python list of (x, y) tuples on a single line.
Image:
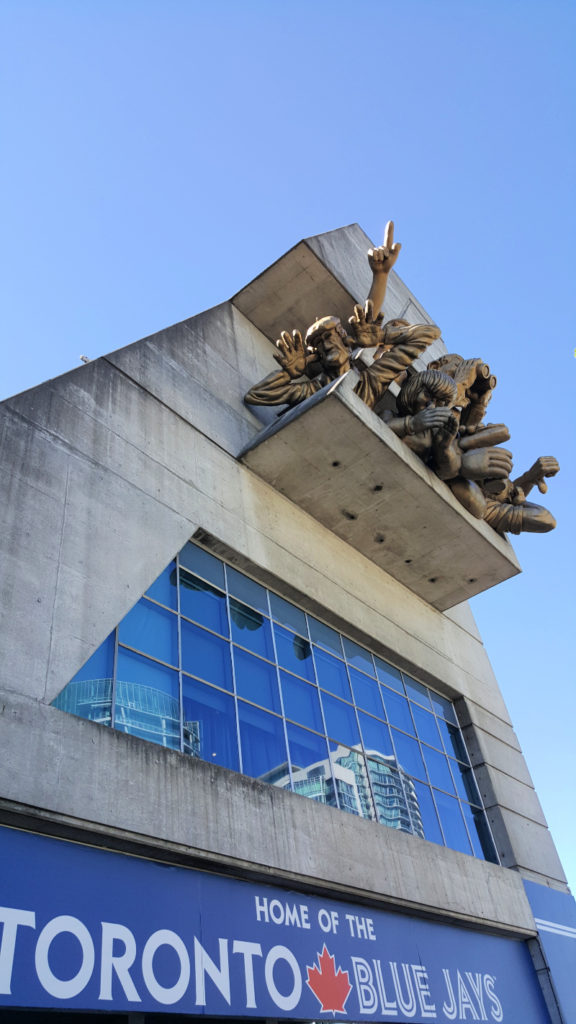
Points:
[(158, 154)]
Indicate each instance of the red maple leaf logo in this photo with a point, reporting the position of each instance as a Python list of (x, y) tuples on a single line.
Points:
[(330, 987)]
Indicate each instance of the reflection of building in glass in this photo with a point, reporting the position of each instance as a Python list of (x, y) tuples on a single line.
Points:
[(140, 710), (377, 788)]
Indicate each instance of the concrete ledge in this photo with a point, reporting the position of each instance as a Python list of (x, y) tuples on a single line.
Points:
[(334, 458)]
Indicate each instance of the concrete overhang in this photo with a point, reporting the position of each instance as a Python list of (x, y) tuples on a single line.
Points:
[(336, 459)]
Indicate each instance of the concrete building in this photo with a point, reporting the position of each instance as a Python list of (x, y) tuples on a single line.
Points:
[(255, 762)]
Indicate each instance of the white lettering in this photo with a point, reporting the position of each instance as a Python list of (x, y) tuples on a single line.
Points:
[(465, 1000), (50, 983), (389, 1006), (475, 982), (282, 953), (119, 963), (10, 918), (360, 927), (427, 1008), (248, 950), (324, 920), (365, 990), (406, 1003), (261, 908), (276, 911), (166, 996), (451, 1009), (496, 1008), (204, 965)]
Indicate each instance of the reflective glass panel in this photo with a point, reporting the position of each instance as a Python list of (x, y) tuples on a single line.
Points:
[(428, 813), (465, 783), (89, 693), (426, 728), (408, 753), (332, 674), (164, 588), (388, 674), (101, 664), (250, 629), (366, 693), (358, 656), (147, 700), (301, 702), (453, 741), (202, 563), (397, 711), (256, 680), (376, 735), (443, 707), (438, 770), (351, 780), (452, 822), (203, 603), (324, 636), (294, 653), (416, 691), (288, 614), (246, 590), (311, 771), (480, 833), (341, 721), (264, 754), (206, 655), (152, 630), (209, 724), (472, 830)]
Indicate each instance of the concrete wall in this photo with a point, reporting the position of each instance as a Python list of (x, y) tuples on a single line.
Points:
[(107, 472)]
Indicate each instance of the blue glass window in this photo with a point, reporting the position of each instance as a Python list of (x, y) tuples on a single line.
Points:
[(388, 674), (202, 563), (250, 629), (152, 630), (398, 711), (452, 822), (429, 815), (247, 591), (210, 724), (453, 741), (203, 603), (376, 735), (438, 770), (332, 674), (206, 655), (309, 755), (366, 693), (426, 727), (101, 664), (288, 614), (301, 702), (358, 656), (408, 754), (164, 588), (465, 783), (256, 680), (325, 636), (416, 691), (341, 721), (89, 693), (147, 700), (294, 653), (443, 707), (264, 754)]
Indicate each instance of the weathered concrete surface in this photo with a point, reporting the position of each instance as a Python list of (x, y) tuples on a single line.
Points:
[(114, 782), (338, 461)]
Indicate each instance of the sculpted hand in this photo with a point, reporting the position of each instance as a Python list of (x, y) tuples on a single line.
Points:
[(546, 465), (292, 354), (383, 258), (487, 463), (430, 419), (365, 327)]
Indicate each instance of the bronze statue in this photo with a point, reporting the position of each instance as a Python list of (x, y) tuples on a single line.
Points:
[(326, 353)]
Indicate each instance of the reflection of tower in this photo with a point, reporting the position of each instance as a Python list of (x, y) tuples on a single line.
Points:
[(140, 710), (375, 787)]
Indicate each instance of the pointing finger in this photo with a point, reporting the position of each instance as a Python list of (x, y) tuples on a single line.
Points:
[(389, 234)]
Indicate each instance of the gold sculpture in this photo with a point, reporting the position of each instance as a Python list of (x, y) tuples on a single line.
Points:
[(439, 412)]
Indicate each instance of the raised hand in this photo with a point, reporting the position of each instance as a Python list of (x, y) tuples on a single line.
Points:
[(292, 354), (365, 327), (383, 258), (433, 419), (487, 464)]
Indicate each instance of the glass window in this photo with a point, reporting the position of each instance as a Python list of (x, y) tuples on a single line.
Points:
[(416, 691), (366, 693), (89, 693), (480, 833), (264, 753), (202, 563), (250, 629), (301, 702), (288, 614), (428, 813), (341, 721), (311, 770), (438, 770), (164, 588), (147, 700), (152, 630), (294, 653), (206, 655), (203, 603), (209, 724), (453, 741), (246, 590), (465, 783), (351, 781), (443, 707), (398, 711), (452, 822), (357, 656), (376, 735), (324, 636), (388, 674), (408, 754), (426, 728), (101, 664), (256, 680), (332, 674)]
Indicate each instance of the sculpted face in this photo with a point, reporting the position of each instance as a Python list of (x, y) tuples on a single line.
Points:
[(333, 351)]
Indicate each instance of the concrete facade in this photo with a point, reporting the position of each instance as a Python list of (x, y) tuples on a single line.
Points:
[(108, 471)]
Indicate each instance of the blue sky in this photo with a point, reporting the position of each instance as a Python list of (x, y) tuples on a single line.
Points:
[(159, 155)]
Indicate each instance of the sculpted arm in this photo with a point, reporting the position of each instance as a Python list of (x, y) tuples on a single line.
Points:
[(381, 261), (285, 385)]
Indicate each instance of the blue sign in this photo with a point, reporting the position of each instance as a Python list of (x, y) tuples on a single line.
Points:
[(83, 928), (555, 915)]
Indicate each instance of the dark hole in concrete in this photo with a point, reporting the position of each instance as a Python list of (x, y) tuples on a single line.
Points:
[(336, 463), (432, 579), (349, 515), (377, 487), (380, 538), (407, 561)]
